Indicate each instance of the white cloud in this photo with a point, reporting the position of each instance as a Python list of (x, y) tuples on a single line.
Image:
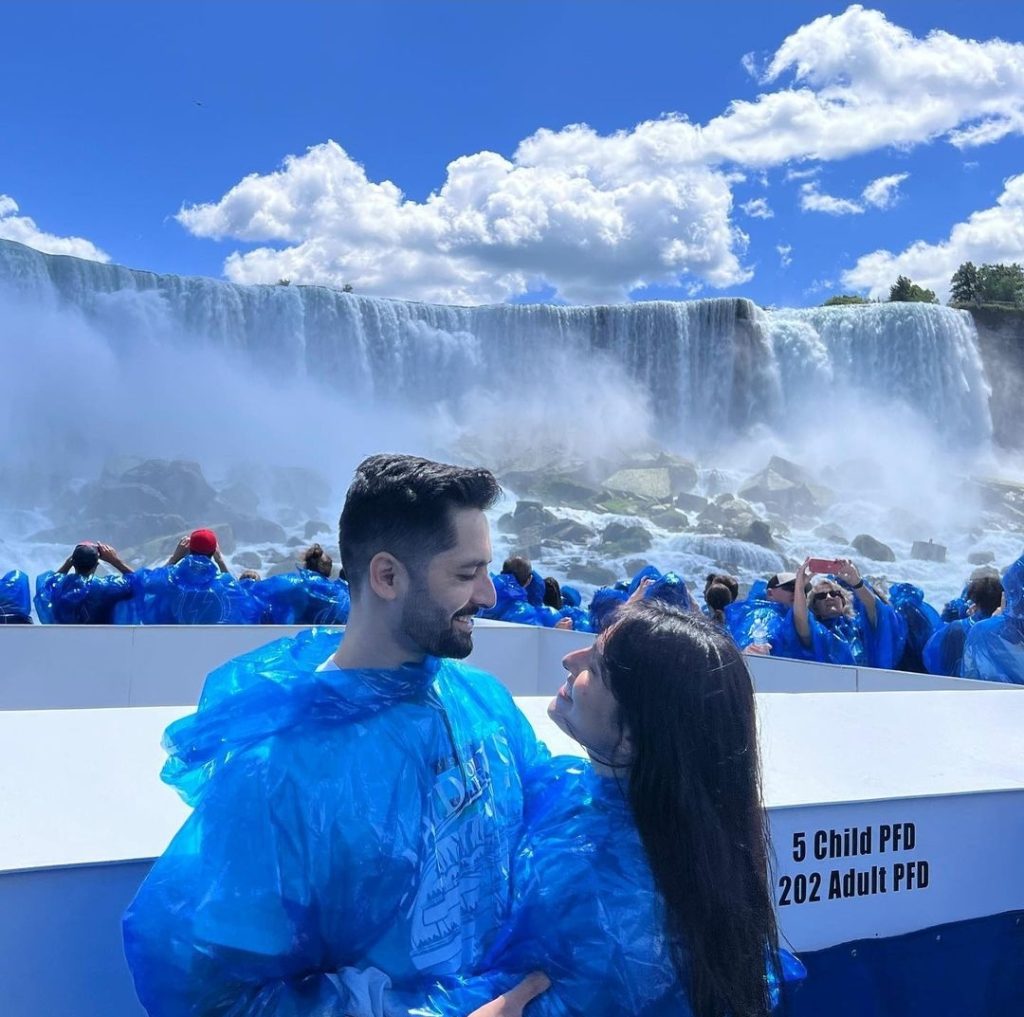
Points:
[(785, 255), (883, 192), (597, 216), (757, 208), (25, 231), (991, 235), (804, 174), (812, 200), (594, 217), (749, 62)]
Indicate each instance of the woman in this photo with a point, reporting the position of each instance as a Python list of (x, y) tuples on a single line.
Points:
[(306, 597), (641, 882)]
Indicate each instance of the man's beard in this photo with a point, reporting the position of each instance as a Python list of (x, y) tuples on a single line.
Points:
[(431, 629)]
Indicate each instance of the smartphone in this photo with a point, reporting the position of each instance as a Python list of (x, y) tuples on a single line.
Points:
[(823, 566)]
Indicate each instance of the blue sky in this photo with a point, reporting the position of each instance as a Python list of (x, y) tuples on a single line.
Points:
[(905, 145)]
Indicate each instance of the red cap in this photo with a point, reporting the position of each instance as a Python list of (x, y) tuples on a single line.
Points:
[(202, 542)]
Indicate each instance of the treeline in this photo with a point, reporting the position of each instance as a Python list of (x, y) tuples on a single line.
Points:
[(969, 286)]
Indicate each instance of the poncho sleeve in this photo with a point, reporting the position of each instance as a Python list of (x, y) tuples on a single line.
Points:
[(270, 889)]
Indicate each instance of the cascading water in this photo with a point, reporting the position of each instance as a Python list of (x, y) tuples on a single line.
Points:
[(714, 379)]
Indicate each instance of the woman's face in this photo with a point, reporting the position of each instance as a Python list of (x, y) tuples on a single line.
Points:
[(828, 601), (585, 708)]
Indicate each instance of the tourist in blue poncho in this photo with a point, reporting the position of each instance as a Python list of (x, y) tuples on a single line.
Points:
[(75, 595), (920, 620), (193, 588), (762, 624), (845, 624), (306, 597), (15, 599), (994, 650), (944, 651), (356, 805), (641, 881)]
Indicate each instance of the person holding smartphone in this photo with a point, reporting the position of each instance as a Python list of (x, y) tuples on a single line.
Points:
[(840, 619)]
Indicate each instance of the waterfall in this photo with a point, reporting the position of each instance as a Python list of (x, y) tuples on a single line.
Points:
[(710, 369)]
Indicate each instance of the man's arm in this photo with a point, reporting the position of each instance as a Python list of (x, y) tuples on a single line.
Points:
[(179, 552), (111, 557)]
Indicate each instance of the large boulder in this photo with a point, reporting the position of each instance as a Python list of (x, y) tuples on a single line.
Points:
[(652, 484), (116, 500), (247, 560), (760, 533), (871, 548), (624, 538), (587, 572), (981, 558), (567, 531), (180, 481), (928, 550), (530, 514), (690, 502), (671, 519), (780, 494)]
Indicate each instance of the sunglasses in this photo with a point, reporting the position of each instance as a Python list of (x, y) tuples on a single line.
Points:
[(824, 594)]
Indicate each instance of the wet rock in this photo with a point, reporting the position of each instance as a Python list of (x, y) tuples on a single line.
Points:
[(568, 531), (255, 530), (573, 489), (652, 484), (315, 528), (622, 504), (786, 468), (980, 558), (180, 481), (831, 532), (530, 514), (928, 550), (295, 542), (871, 548), (595, 575), (690, 502), (760, 533), (671, 519), (240, 497), (624, 538), (115, 500), (779, 494), (634, 565), (247, 560)]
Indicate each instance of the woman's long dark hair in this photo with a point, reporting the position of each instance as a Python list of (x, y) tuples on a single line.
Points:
[(686, 699)]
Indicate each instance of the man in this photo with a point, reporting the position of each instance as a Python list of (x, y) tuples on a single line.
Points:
[(355, 804), (15, 599), (193, 588), (759, 623), (944, 651), (80, 597)]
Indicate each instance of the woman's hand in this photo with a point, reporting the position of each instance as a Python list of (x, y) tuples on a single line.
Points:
[(847, 571), (641, 590), (511, 1004)]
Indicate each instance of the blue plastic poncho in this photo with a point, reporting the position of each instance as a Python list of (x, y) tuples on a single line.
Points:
[(994, 649), (510, 603), (920, 621), (854, 640), (304, 597), (342, 819), (957, 608), (586, 911), (535, 589), (15, 599), (571, 596), (944, 651), (72, 599), (192, 592), (603, 605), (756, 621)]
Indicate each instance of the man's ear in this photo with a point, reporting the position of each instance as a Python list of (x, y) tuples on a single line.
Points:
[(387, 576)]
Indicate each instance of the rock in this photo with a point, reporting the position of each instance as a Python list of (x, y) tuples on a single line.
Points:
[(831, 532), (622, 504), (625, 538), (530, 514), (315, 528), (180, 481), (299, 487), (247, 560), (568, 488), (690, 502), (791, 471), (671, 519), (113, 501), (255, 530), (646, 484), (779, 494), (712, 516), (760, 533), (295, 542), (240, 497), (872, 548), (980, 558), (634, 565), (715, 482), (568, 531), (595, 575), (928, 551)]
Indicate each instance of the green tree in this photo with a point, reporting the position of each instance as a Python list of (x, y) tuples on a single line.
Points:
[(1001, 284), (905, 291), (845, 298), (963, 286)]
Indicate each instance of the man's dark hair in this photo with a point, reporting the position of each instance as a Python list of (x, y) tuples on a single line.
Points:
[(520, 568), (403, 505), (986, 592)]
